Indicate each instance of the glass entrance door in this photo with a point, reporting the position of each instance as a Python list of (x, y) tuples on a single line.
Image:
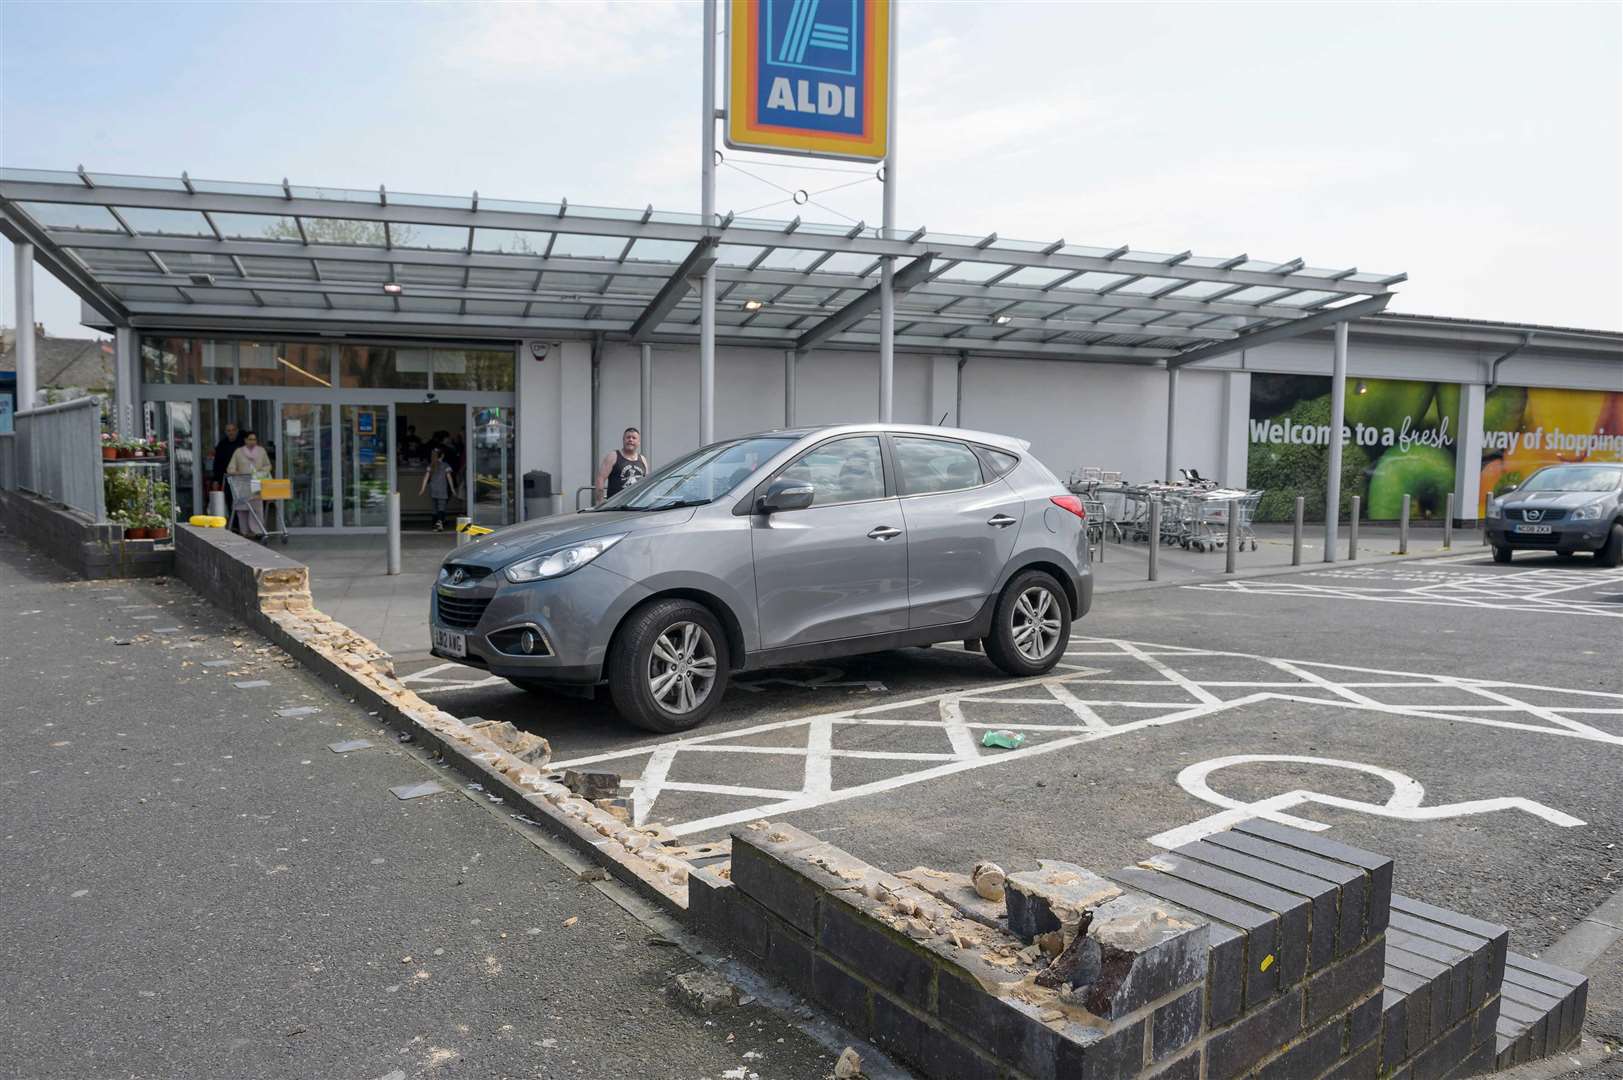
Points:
[(491, 466), (306, 460), (366, 463)]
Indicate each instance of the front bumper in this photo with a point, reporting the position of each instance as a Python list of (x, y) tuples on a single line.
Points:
[(575, 615), (1565, 535)]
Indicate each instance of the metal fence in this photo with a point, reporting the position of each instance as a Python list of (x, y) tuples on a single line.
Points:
[(57, 454)]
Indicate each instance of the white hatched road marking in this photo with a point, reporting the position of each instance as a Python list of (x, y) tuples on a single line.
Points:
[(1489, 703), (1534, 590)]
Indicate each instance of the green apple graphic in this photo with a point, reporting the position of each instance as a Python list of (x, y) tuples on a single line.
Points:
[(1425, 472), (1502, 408), (1385, 403)]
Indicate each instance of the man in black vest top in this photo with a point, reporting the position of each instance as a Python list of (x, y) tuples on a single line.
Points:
[(623, 468)]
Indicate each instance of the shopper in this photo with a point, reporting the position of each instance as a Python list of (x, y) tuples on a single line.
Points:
[(439, 484), (251, 460), (624, 468), (228, 444)]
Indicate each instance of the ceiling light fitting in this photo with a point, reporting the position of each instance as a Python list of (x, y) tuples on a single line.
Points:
[(393, 288)]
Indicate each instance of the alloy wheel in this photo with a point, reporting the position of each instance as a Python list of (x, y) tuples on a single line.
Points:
[(682, 667), (1036, 624)]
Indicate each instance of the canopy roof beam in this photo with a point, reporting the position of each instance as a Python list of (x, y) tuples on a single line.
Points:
[(904, 280), (698, 261), (1284, 331)]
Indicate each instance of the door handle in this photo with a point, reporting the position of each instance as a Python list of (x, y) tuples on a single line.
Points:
[(1000, 521), (883, 532)]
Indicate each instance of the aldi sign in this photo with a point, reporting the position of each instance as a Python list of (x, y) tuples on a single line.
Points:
[(809, 77)]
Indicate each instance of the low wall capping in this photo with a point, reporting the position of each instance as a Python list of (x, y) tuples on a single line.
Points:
[(1261, 952)]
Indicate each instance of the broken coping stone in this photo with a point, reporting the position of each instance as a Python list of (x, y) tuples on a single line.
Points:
[(528, 747), (415, 791), (349, 744), (1054, 895), (592, 786), (1145, 952), (959, 891), (704, 991)]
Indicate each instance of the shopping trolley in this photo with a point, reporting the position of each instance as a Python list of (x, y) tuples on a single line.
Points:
[(272, 492)]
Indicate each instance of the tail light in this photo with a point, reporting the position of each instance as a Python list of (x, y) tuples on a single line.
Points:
[(1071, 503)]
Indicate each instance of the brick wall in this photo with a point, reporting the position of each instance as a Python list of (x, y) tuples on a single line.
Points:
[(238, 574), (1263, 952), (94, 551)]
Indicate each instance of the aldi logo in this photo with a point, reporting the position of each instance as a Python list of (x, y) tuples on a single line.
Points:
[(809, 77)]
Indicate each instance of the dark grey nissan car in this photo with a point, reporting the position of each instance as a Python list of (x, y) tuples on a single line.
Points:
[(1561, 508), (782, 547)]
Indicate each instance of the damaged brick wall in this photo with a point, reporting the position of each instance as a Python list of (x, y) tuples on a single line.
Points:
[(1262, 952)]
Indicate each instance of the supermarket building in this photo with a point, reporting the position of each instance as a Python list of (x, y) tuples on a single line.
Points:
[(350, 328)]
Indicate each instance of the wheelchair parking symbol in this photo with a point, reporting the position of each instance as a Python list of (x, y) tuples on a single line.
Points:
[(1404, 804)]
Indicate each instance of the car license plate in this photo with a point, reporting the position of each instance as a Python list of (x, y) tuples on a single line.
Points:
[(450, 643), (1540, 529)]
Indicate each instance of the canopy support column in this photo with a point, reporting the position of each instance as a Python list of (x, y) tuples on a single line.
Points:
[(788, 388), (1338, 418), (126, 384), (645, 418), (1172, 423), (27, 371)]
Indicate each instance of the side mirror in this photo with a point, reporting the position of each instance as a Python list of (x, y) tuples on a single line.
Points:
[(1507, 491), (785, 495)]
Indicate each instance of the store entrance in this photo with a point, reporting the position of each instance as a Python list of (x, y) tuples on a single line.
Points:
[(419, 429)]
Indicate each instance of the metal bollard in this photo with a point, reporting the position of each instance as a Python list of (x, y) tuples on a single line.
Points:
[(461, 530), (394, 532), (1234, 533), (1352, 530), (1296, 532), (1155, 536), (1448, 522), (1403, 528)]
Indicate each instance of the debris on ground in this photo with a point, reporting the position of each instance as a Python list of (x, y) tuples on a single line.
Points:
[(571, 921), (1007, 740), (988, 878), (848, 1066), (704, 991)]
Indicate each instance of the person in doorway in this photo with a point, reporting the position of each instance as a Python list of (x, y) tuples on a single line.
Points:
[(228, 444), (439, 484), (624, 468), (251, 460)]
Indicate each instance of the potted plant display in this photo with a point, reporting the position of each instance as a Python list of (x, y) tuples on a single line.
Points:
[(157, 525), (109, 447)]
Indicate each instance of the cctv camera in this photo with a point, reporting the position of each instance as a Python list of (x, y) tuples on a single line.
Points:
[(539, 349)]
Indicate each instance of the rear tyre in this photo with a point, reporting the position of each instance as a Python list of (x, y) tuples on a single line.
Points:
[(1612, 553), (1031, 625), (1501, 554), (667, 668)]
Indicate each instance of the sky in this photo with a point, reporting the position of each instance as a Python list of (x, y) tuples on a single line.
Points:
[(1477, 147)]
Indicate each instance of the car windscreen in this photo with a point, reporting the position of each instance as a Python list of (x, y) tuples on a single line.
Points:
[(1570, 478), (702, 476)]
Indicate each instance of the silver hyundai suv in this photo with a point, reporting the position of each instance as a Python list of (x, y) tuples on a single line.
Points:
[(777, 548)]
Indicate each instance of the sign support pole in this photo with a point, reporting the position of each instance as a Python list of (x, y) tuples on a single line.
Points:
[(887, 272), (1338, 417), (707, 208)]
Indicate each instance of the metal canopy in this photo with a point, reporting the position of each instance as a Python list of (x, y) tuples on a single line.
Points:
[(183, 253)]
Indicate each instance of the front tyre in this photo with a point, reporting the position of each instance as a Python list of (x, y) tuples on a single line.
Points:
[(1612, 553), (668, 666), (1031, 626), (1501, 554)]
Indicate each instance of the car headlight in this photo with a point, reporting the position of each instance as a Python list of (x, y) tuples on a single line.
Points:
[(1496, 508), (1588, 512), (563, 561)]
